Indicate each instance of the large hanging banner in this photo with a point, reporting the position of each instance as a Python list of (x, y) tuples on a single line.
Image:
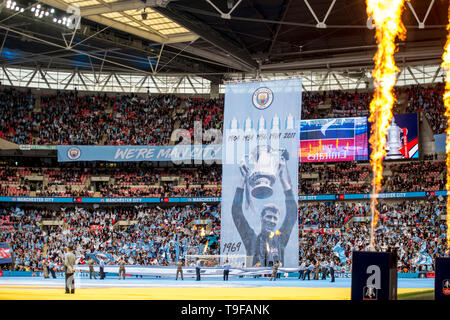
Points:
[(260, 172), (174, 153)]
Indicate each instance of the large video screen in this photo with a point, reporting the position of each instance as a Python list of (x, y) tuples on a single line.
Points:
[(329, 140), (402, 139)]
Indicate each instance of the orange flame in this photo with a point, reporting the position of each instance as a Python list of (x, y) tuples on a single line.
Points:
[(446, 66), (386, 16)]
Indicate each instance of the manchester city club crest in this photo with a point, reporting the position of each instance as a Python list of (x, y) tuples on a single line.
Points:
[(446, 287), (262, 98), (73, 153)]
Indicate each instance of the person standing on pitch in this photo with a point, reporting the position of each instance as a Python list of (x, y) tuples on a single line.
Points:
[(69, 269), (197, 268), (275, 271), (45, 268), (51, 266), (324, 269), (102, 269), (301, 270), (179, 269), (91, 268), (226, 270), (316, 271), (332, 269), (308, 271), (280, 264), (122, 268)]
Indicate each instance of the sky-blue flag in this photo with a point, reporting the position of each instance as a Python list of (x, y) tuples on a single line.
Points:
[(340, 252)]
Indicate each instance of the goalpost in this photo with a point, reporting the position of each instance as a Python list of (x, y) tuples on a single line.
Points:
[(217, 260)]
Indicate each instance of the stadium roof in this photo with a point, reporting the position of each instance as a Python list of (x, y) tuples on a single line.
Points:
[(211, 38)]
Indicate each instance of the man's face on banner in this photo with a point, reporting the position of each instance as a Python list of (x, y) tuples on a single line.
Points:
[(269, 220)]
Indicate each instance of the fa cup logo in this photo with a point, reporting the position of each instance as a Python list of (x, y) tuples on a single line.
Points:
[(394, 141)]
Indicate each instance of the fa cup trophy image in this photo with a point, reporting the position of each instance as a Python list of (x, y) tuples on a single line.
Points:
[(394, 141), (262, 176)]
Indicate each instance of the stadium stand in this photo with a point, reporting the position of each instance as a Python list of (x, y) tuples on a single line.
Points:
[(205, 181), (148, 234), (75, 118)]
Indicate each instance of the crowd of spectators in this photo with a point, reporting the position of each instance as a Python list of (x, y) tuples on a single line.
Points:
[(205, 181), (350, 177), (73, 118), (69, 117), (155, 236), (415, 229), (329, 215), (416, 176), (129, 181), (428, 99), (16, 116), (149, 237)]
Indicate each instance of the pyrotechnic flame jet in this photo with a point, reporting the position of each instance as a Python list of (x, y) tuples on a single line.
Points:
[(386, 15), (446, 66)]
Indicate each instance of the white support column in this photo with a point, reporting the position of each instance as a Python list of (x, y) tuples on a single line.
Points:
[(322, 82), (436, 74), (174, 89), (66, 78), (159, 57), (118, 81), (93, 70), (106, 81), (320, 24), (189, 79), (44, 77), (103, 61), (3, 42), (421, 23), (32, 77), (151, 65), (70, 80), (398, 75), (422, 71), (412, 75), (359, 81), (82, 80), (337, 80), (141, 82), (224, 15), (22, 77), (156, 85), (7, 75)]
